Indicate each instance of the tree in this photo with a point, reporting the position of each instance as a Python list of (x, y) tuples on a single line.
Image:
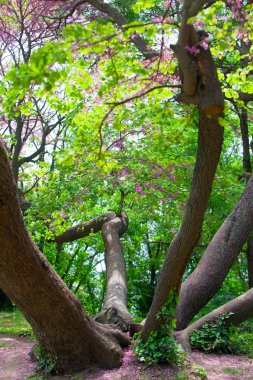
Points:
[(122, 84), (220, 255), (236, 311), (74, 342)]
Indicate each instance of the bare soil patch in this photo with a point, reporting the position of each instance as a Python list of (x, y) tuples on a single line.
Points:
[(16, 364)]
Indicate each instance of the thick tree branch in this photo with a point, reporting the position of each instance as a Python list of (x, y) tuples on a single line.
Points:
[(220, 255), (84, 229), (115, 306), (239, 310), (120, 20)]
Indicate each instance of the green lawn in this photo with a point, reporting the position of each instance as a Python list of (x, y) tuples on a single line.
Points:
[(14, 323)]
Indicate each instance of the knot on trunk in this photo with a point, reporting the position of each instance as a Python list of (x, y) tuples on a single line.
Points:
[(112, 316)]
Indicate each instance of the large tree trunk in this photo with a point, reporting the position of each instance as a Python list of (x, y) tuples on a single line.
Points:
[(243, 115), (250, 261), (60, 324), (201, 87), (217, 260), (115, 306), (181, 248), (239, 309)]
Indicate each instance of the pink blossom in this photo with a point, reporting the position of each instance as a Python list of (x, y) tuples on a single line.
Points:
[(204, 45), (167, 4), (192, 50), (171, 177), (139, 189), (133, 36), (157, 20)]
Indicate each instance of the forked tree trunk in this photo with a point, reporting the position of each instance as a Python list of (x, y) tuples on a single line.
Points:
[(217, 260), (208, 154), (239, 309), (60, 324), (115, 307)]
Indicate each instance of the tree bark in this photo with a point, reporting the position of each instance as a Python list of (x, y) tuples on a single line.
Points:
[(240, 309), (208, 96), (250, 261), (217, 260), (60, 324), (115, 307), (83, 229), (243, 116), (208, 154)]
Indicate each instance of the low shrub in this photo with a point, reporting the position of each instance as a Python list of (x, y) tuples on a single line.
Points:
[(161, 346), (215, 337)]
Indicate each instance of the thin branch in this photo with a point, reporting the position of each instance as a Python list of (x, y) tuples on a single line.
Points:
[(142, 94)]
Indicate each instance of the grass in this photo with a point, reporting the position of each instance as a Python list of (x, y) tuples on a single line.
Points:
[(231, 371), (14, 323), (5, 345)]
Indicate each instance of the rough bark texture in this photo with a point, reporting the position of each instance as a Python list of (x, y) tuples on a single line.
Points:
[(243, 115), (217, 260), (209, 149), (84, 229), (250, 262), (241, 308), (115, 307), (60, 324)]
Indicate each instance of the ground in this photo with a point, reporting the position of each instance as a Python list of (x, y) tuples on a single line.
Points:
[(16, 364)]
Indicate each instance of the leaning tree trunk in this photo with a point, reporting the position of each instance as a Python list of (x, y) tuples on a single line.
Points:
[(115, 307), (60, 324), (238, 310), (181, 248), (201, 87), (217, 260), (250, 261), (243, 116)]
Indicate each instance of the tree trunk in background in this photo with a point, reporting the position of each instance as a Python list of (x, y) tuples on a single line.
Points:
[(115, 307), (241, 308), (208, 154), (250, 262), (5, 303), (60, 324), (217, 260), (200, 86), (243, 116)]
